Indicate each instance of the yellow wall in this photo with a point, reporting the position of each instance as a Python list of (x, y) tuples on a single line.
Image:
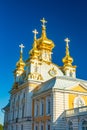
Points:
[(71, 97)]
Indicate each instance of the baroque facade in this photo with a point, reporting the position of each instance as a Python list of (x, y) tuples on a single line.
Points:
[(45, 96)]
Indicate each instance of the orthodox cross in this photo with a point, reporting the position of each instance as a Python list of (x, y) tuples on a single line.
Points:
[(67, 46), (43, 22), (21, 46), (67, 41), (35, 33)]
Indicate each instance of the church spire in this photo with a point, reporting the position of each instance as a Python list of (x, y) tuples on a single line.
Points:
[(68, 68), (34, 52), (67, 60), (20, 64), (67, 46), (35, 34), (21, 51)]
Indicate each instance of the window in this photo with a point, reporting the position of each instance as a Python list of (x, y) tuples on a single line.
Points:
[(42, 128), (11, 127), (16, 127), (79, 102), (48, 105), (21, 127), (18, 106), (84, 125), (36, 127), (42, 107), (70, 126), (48, 127), (13, 107), (36, 108), (23, 105)]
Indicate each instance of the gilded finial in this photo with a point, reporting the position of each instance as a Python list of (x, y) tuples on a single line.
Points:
[(21, 46), (34, 51), (43, 22), (67, 60), (21, 51), (43, 27), (67, 40), (35, 33), (20, 64), (67, 46)]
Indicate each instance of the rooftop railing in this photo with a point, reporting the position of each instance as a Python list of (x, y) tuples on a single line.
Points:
[(75, 111)]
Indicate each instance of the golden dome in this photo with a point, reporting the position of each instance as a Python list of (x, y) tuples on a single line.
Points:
[(67, 60), (20, 64), (44, 42)]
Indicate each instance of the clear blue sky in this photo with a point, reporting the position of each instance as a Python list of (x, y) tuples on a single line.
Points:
[(66, 18)]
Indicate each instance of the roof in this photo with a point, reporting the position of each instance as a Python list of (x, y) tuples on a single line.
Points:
[(59, 82), (45, 86)]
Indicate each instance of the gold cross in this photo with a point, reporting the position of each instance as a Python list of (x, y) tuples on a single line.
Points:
[(67, 41), (21, 46), (43, 22), (35, 33)]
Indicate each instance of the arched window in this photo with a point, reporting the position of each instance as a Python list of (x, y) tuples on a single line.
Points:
[(36, 126), (18, 106), (42, 107), (42, 127), (48, 127), (79, 102), (70, 125), (84, 125), (36, 108), (23, 105), (48, 105)]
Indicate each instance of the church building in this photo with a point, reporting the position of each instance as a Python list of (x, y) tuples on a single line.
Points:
[(44, 95)]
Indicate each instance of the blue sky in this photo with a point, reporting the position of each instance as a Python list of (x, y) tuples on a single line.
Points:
[(66, 18)]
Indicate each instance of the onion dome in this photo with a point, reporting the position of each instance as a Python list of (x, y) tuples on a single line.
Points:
[(44, 42), (67, 60), (20, 64)]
